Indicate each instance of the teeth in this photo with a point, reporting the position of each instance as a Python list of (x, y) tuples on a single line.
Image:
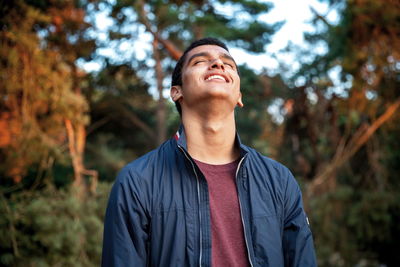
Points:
[(215, 77)]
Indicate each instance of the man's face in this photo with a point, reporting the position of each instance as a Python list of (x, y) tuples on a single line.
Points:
[(209, 72)]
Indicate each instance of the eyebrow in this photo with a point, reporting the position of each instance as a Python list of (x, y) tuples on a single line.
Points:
[(206, 54)]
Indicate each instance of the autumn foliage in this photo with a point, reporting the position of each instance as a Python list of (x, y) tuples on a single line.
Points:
[(65, 131)]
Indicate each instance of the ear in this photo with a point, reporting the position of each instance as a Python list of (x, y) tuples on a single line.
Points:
[(240, 102), (176, 93)]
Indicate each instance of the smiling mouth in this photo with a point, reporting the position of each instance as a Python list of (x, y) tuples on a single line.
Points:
[(216, 77)]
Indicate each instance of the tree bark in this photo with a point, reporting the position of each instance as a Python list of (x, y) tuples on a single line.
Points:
[(76, 143), (161, 108)]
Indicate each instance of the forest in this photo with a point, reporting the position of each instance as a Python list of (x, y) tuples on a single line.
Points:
[(66, 130)]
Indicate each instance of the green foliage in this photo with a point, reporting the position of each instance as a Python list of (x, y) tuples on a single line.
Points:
[(52, 227), (253, 121), (181, 23), (122, 115), (119, 94), (355, 211), (353, 226), (354, 216)]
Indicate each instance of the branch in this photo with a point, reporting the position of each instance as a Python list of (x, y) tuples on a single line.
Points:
[(97, 124), (95, 178), (343, 154), (138, 122), (11, 226), (173, 51), (320, 17)]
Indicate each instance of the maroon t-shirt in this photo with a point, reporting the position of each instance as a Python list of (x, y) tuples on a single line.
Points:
[(228, 243)]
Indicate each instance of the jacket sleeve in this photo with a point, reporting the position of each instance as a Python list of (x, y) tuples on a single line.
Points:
[(126, 224), (298, 242)]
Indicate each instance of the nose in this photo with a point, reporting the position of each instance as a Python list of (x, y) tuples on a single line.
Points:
[(217, 64)]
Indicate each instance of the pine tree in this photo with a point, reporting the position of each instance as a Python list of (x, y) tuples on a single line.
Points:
[(42, 106)]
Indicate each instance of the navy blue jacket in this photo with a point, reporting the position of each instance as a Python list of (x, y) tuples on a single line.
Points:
[(159, 215)]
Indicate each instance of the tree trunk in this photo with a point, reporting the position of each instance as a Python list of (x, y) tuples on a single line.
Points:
[(161, 108), (76, 144)]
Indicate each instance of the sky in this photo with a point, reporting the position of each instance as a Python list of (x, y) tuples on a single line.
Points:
[(296, 14)]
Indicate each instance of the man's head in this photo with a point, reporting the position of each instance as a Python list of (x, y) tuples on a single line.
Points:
[(206, 47)]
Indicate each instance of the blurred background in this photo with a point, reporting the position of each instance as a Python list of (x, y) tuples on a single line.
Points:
[(84, 88)]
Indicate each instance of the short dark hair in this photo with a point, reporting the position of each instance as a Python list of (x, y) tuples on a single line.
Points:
[(177, 73)]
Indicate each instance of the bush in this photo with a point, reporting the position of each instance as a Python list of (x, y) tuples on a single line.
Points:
[(52, 228), (354, 227)]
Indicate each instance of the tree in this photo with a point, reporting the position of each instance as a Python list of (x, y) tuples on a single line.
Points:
[(175, 24), (42, 106), (345, 163), (123, 123), (70, 39)]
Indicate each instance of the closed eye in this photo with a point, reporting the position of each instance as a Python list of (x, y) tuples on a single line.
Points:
[(231, 65)]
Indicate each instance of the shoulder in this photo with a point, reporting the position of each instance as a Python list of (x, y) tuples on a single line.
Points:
[(146, 167), (137, 179), (262, 162), (267, 168)]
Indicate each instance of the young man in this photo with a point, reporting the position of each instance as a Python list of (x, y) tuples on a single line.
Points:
[(203, 198)]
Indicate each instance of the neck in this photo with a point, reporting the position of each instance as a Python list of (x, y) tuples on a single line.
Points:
[(211, 137)]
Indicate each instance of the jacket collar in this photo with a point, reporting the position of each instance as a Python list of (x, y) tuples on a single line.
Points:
[(180, 138)]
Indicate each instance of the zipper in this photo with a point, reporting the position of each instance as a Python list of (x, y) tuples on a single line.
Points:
[(198, 198), (241, 213)]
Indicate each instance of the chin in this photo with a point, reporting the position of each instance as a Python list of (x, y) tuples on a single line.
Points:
[(218, 91)]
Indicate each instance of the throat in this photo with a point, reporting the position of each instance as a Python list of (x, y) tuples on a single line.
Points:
[(212, 143)]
